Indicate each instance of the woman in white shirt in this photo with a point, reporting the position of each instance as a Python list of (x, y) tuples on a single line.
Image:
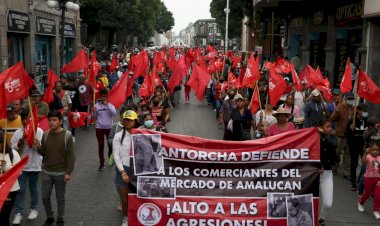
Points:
[(8, 160), (264, 119), (121, 153)]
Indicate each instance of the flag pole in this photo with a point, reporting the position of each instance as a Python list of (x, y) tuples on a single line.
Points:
[(33, 119), (266, 103), (5, 141), (356, 96), (258, 94)]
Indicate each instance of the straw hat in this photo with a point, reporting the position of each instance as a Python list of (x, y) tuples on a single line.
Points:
[(281, 111)]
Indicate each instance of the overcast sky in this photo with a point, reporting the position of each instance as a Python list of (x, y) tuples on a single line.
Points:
[(186, 11)]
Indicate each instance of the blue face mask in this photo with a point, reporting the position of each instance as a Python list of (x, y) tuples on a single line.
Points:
[(148, 123), (365, 114)]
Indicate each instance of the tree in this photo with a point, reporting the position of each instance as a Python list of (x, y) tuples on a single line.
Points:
[(164, 19)]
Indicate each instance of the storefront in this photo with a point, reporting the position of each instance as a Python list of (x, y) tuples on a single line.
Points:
[(18, 30), (45, 33)]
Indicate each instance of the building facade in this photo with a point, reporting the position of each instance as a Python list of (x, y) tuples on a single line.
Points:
[(30, 32), (207, 32)]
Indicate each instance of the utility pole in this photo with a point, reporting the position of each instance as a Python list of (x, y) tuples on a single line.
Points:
[(227, 10)]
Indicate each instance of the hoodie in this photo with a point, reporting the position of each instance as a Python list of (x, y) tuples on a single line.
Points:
[(103, 115)]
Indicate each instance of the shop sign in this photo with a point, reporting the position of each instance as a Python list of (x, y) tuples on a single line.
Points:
[(69, 30), (45, 26), (349, 13), (319, 18), (297, 22), (18, 22)]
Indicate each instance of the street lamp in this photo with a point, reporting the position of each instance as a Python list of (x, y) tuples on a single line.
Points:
[(62, 5)]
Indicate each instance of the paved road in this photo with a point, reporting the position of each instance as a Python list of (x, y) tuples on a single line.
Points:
[(91, 198)]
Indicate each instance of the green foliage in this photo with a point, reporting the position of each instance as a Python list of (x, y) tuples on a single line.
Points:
[(238, 9), (139, 18)]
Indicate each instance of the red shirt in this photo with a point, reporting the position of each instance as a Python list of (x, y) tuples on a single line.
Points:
[(274, 129)]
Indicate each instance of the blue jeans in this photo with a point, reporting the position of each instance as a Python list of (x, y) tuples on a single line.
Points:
[(218, 105), (33, 187), (361, 180)]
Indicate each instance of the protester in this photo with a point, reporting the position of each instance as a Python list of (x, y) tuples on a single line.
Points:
[(342, 114), (57, 148), (73, 91), (148, 123), (225, 113), (290, 107), (241, 120), (159, 112), (371, 159), (314, 110), (329, 158), (8, 160), (18, 106), (103, 113), (30, 173), (42, 107), (85, 96), (11, 123), (300, 98), (66, 103), (355, 140), (264, 119), (121, 146), (282, 125)]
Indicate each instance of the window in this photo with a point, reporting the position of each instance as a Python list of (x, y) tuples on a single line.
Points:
[(211, 30)]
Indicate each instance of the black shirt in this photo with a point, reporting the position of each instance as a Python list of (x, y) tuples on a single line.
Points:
[(240, 122)]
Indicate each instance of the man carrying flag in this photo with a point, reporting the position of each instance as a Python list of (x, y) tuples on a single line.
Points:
[(32, 169)]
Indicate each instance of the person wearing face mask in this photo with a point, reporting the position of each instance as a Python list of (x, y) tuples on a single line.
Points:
[(342, 114), (355, 140), (315, 110), (149, 123)]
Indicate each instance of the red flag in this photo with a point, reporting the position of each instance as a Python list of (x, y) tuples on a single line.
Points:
[(367, 89), (296, 80), (146, 87), (8, 179), (16, 82), (198, 81), (77, 119), (311, 77), (114, 63), (43, 123), (326, 92), (118, 93), (130, 87), (346, 84), (252, 73), (277, 86), (211, 66), (255, 101), (52, 79), (232, 80), (156, 80), (31, 125), (178, 74), (202, 63), (80, 62), (210, 48), (282, 66), (141, 62), (94, 69)]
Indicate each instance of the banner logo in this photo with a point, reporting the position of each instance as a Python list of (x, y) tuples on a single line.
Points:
[(12, 85), (149, 214)]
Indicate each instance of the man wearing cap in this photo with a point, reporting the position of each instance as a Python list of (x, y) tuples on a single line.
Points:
[(42, 107), (300, 98), (11, 123), (342, 115), (336, 96), (314, 110)]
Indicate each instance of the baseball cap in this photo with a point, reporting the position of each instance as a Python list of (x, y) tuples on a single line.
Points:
[(336, 91), (36, 93), (315, 93), (349, 95), (130, 115)]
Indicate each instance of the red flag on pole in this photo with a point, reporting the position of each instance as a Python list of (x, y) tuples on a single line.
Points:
[(44, 124), (255, 101), (198, 81), (80, 62), (277, 86), (118, 93), (367, 89), (296, 80), (155, 79), (114, 63), (346, 84), (141, 62), (52, 79), (252, 73), (311, 77), (31, 125), (178, 74), (232, 80), (8, 179), (282, 66), (146, 87), (94, 69)]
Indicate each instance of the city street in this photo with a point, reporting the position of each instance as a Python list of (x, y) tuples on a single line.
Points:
[(91, 198)]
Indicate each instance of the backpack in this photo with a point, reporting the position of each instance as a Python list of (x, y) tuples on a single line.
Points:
[(67, 137)]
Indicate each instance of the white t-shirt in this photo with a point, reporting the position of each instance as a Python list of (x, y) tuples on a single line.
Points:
[(121, 152), (9, 165)]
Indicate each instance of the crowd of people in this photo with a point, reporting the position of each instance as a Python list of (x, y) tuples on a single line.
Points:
[(347, 132)]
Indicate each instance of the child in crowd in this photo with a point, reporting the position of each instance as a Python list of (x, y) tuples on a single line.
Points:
[(371, 159)]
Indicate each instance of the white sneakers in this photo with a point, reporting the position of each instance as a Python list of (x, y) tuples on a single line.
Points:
[(376, 214), (33, 215), (17, 219), (360, 208), (125, 221)]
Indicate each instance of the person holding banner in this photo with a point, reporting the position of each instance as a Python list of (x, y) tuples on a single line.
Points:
[(31, 171), (282, 125), (241, 120), (8, 159), (329, 158), (121, 153)]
